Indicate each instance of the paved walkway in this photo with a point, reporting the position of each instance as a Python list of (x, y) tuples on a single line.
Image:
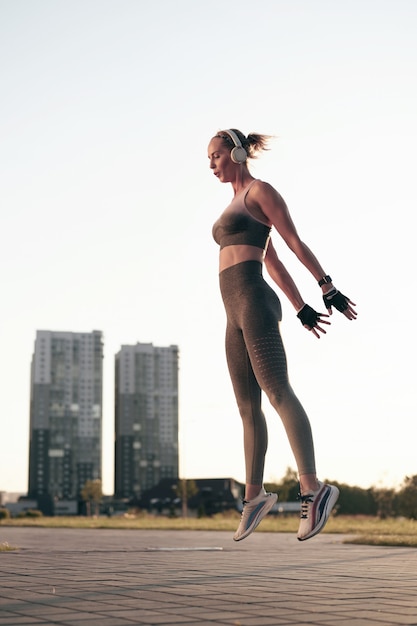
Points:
[(121, 578)]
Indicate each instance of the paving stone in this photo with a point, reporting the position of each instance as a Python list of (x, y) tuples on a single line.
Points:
[(74, 577)]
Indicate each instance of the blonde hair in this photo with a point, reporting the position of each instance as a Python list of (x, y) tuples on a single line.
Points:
[(253, 143)]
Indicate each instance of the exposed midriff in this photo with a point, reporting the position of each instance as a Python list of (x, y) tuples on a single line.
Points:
[(231, 255)]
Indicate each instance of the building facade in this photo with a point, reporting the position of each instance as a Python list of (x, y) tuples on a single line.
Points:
[(65, 414), (146, 418)]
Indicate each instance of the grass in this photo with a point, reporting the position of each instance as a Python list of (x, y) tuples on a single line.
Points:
[(6, 547), (361, 529)]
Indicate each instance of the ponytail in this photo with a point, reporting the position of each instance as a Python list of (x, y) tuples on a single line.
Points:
[(256, 143)]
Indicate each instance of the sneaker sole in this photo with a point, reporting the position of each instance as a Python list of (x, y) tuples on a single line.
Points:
[(331, 501), (258, 519)]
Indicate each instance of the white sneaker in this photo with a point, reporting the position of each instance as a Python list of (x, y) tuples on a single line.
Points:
[(315, 510), (253, 513)]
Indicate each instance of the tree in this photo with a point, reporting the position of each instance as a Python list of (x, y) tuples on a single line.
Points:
[(92, 493), (287, 488), (354, 500), (185, 489), (407, 497), (385, 500)]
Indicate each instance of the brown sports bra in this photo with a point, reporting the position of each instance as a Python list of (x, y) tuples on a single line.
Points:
[(236, 226)]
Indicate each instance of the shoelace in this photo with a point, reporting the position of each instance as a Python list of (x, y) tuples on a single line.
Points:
[(244, 502), (305, 501)]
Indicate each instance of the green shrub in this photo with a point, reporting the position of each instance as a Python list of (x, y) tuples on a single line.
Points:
[(31, 513), (4, 513), (34, 513)]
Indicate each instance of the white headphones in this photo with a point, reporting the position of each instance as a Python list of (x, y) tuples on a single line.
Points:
[(238, 153)]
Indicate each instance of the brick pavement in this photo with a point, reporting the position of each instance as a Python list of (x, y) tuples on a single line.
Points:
[(121, 578)]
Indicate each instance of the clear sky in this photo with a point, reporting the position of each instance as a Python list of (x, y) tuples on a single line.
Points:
[(107, 204)]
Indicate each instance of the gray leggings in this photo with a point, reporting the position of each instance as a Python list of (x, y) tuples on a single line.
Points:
[(257, 362)]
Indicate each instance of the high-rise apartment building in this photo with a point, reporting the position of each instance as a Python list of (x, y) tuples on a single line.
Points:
[(146, 418), (65, 414)]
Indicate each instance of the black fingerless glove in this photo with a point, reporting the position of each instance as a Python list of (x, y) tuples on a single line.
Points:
[(308, 316), (336, 299)]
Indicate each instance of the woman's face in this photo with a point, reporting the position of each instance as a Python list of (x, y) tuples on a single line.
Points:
[(220, 160)]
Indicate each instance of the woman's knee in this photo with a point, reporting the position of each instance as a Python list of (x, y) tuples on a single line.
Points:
[(278, 395), (250, 412)]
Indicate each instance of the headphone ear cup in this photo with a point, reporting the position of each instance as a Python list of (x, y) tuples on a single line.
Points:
[(238, 154)]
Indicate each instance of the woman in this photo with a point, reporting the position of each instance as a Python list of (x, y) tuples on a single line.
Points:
[(254, 349)]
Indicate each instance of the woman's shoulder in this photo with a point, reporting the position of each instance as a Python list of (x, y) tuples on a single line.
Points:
[(261, 190)]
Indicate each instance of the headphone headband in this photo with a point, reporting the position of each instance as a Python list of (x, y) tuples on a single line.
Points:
[(234, 138), (238, 153)]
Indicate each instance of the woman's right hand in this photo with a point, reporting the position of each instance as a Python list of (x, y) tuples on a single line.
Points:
[(311, 320)]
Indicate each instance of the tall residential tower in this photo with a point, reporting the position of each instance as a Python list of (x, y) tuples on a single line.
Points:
[(146, 418), (65, 414)]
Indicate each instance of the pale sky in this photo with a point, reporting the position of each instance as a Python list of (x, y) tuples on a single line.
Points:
[(107, 204)]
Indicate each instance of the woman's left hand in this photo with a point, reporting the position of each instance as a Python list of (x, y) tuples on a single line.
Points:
[(340, 302)]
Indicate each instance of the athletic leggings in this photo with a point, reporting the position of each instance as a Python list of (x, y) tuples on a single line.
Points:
[(257, 362)]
